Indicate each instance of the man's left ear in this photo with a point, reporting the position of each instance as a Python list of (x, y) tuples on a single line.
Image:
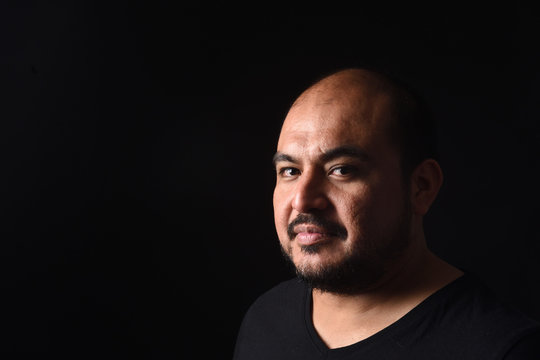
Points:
[(426, 180)]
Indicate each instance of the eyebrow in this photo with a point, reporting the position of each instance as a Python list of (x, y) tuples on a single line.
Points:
[(345, 151), (340, 151), (279, 156)]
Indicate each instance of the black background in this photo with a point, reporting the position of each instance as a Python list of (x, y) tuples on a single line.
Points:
[(136, 143)]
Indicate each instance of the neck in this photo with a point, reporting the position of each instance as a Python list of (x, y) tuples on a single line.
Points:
[(345, 319)]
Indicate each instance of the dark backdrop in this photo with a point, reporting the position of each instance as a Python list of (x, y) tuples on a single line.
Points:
[(136, 142)]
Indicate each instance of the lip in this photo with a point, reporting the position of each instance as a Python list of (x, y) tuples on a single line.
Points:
[(307, 235)]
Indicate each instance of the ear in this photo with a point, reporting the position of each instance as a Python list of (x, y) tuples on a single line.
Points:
[(426, 180)]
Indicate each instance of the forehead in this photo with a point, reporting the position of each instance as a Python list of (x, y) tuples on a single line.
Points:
[(317, 124)]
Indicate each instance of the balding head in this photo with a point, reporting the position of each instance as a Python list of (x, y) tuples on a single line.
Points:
[(347, 209), (347, 82), (355, 90), (367, 95)]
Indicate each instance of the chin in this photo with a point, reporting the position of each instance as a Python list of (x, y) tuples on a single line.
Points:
[(314, 262), (328, 272)]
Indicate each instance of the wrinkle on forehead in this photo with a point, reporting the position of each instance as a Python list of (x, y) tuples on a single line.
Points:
[(314, 145)]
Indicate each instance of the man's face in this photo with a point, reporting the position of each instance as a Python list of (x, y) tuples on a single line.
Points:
[(341, 206)]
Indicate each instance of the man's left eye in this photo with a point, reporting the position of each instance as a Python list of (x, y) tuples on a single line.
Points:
[(342, 170)]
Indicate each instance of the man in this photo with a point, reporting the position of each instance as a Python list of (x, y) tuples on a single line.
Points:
[(356, 173)]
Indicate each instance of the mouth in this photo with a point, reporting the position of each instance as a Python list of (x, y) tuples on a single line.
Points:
[(309, 230), (307, 235)]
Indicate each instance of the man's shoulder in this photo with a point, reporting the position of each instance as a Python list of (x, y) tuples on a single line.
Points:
[(472, 316), (282, 296), (274, 326), (275, 312), (479, 305)]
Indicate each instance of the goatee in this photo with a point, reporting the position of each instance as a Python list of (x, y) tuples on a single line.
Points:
[(358, 271)]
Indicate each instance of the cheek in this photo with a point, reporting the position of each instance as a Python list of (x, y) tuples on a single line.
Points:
[(377, 214), (354, 206), (277, 209), (281, 214), (358, 217), (364, 213)]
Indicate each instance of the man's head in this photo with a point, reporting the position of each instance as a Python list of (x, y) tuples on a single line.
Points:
[(352, 186)]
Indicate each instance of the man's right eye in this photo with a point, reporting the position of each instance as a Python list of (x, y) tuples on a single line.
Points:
[(288, 172)]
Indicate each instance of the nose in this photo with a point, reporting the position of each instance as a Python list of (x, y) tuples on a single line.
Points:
[(309, 193)]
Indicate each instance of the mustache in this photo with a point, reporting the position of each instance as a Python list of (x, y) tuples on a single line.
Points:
[(329, 227)]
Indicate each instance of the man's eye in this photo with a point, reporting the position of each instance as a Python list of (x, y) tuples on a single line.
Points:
[(288, 172), (343, 170)]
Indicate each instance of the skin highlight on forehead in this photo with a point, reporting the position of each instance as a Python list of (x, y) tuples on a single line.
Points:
[(348, 104)]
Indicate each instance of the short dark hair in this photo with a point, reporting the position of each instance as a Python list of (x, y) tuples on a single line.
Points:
[(414, 129)]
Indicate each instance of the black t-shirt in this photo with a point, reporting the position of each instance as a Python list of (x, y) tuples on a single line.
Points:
[(463, 320)]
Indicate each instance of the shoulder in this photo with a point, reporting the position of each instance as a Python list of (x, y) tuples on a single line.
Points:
[(472, 314), (480, 306), (527, 348), (284, 297), (273, 323)]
